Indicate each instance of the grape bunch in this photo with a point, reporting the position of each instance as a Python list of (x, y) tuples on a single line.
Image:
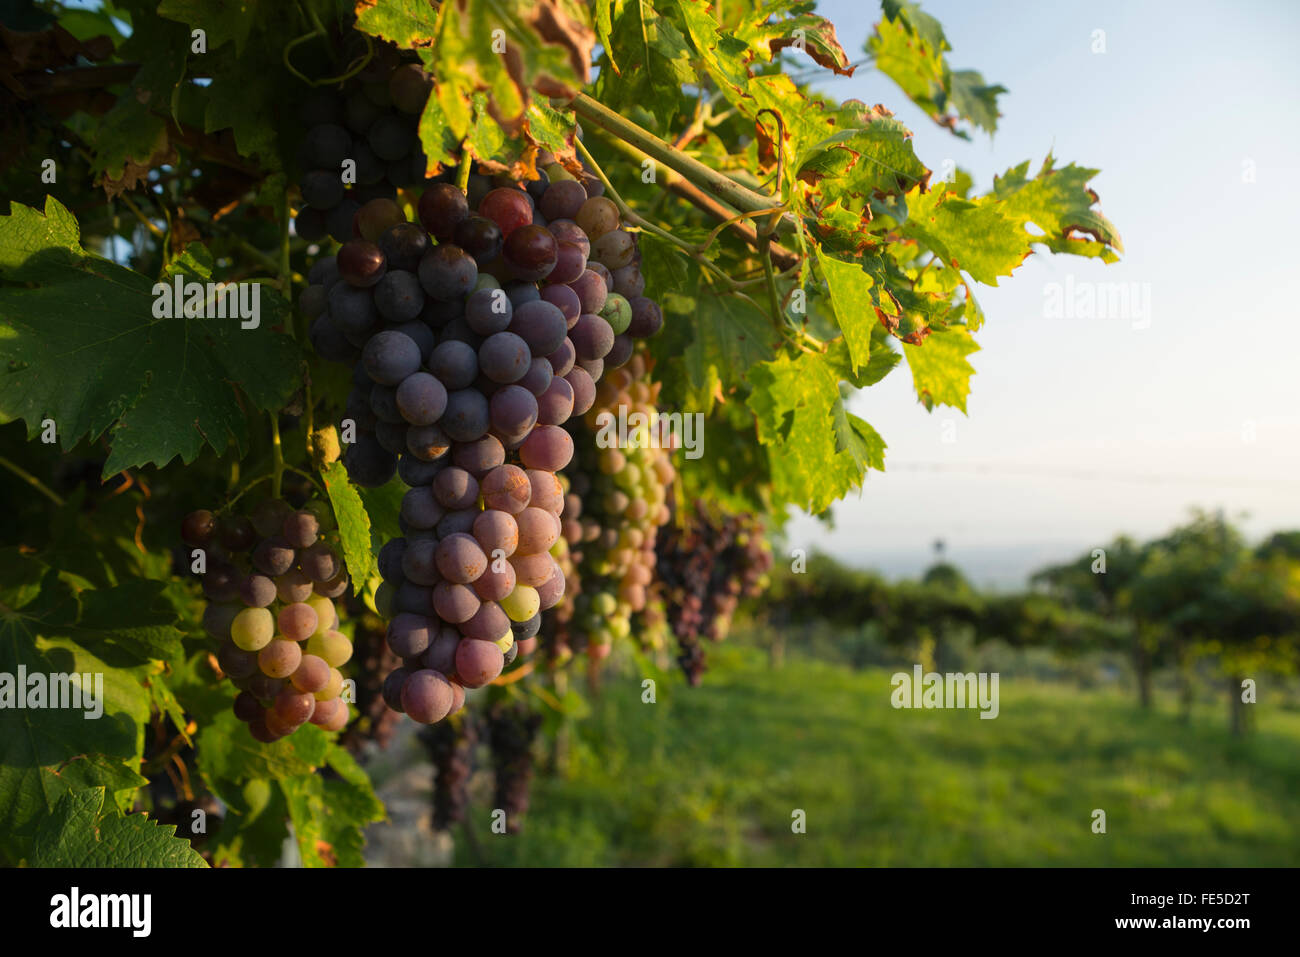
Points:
[(479, 333), (615, 507), (706, 567), (451, 746), (270, 578), (361, 147), (512, 727)]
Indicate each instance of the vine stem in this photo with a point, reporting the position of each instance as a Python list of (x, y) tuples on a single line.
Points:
[(721, 186), (462, 173), (286, 288), (32, 480), (277, 457), (701, 200), (638, 221)]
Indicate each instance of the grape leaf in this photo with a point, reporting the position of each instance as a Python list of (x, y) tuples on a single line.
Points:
[(46, 752), (817, 451), (228, 755), (1059, 202), (384, 508), (908, 47), (940, 372), (655, 63), (808, 32), (850, 295), (80, 832), (328, 815), (134, 616), (84, 350), (982, 236), (354, 523), (222, 20)]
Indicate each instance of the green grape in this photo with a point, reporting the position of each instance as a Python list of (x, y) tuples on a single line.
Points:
[(253, 629), (334, 687), (521, 604), (333, 646)]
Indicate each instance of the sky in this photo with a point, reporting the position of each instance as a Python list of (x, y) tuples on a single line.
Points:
[(1082, 428)]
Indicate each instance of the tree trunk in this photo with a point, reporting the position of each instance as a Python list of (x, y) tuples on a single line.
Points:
[(1239, 718), (1142, 663), (1185, 687)]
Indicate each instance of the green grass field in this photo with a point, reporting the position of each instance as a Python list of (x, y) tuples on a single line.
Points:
[(710, 776)]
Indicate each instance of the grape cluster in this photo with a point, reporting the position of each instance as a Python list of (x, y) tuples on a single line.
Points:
[(451, 746), (270, 577), (615, 507), (512, 727), (479, 333), (361, 147), (706, 567)]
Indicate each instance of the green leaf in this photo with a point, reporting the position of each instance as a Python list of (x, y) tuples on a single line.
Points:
[(1060, 203), (383, 508), (908, 47), (850, 295), (222, 20), (83, 348), (808, 32), (354, 523), (135, 616), (81, 832), (817, 452), (48, 751), (982, 237), (940, 372), (329, 814), (229, 755), (654, 63), (875, 158)]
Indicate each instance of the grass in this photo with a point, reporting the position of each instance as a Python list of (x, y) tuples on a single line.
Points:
[(713, 776)]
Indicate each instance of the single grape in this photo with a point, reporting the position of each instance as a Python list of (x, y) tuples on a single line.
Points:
[(538, 530), (398, 296), (547, 492), (480, 456), (339, 220), (488, 624), (426, 696), (351, 309), (563, 358), (197, 528), (235, 661), (570, 263), (297, 621), (592, 291), (549, 448), (326, 146), (442, 209), (312, 675), (555, 405), (455, 488), (592, 337), (429, 442), (541, 325), (389, 357), (538, 377), (368, 463), (481, 238), (361, 263), (404, 245), (279, 658), (597, 217), (614, 249), (414, 471), (441, 653), (488, 311), (460, 560), (513, 410), (509, 208), (531, 252), (218, 618), (504, 357), (273, 557), (409, 87), (447, 272), (522, 604), (467, 417), (620, 351), (523, 630), (376, 217), (478, 662), (457, 520), (391, 137), (421, 399), (562, 200), (322, 189), (506, 488), (333, 647), (292, 586), (495, 583), (454, 603), (646, 318), (409, 635), (455, 364), (294, 707)]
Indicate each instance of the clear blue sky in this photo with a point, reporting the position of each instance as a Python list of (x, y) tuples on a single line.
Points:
[(1147, 421)]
